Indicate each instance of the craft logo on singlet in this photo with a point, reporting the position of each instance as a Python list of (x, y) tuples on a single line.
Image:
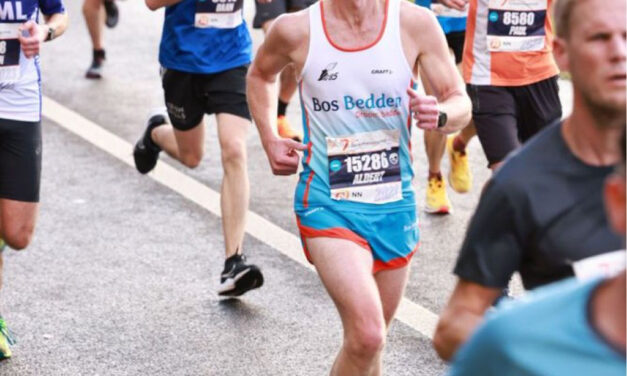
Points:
[(328, 74), (12, 11), (381, 71)]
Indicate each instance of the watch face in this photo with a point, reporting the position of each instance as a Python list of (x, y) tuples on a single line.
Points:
[(442, 118)]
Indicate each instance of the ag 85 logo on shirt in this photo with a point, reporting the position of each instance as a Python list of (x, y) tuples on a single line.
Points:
[(328, 73)]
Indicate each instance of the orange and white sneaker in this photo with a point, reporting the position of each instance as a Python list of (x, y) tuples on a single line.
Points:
[(460, 176), (285, 130), (437, 200)]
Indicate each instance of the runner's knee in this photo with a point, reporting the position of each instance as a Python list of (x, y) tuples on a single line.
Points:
[(233, 152), (19, 237), (365, 341), (191, 159)]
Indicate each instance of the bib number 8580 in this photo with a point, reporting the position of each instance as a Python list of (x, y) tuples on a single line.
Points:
[(518, 18), (367, 162)]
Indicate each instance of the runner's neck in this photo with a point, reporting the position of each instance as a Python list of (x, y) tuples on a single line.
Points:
[(590, 138), (357, 15)]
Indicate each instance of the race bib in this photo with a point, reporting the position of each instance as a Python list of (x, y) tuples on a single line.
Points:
[(442, 10), (9, 53), (365, 167), (605, 265), (516, 25), (219, 14)]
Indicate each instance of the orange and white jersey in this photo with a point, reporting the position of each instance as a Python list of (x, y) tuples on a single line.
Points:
[(509, 42)]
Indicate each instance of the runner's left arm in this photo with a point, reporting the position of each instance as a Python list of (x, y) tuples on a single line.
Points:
[(438, 69)]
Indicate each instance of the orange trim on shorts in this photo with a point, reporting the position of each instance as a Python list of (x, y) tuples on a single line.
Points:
[(332, 232), (396, 263), (381, 32), (343, 233)]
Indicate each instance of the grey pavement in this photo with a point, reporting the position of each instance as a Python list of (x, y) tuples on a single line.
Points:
[(121, 276)]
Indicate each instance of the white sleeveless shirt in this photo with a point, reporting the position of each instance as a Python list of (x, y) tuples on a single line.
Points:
[(356, 120)]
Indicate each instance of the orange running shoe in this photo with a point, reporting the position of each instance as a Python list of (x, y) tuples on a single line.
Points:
[(286, 131)]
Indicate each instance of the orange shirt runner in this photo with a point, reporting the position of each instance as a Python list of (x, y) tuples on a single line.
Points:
[(509, 42)]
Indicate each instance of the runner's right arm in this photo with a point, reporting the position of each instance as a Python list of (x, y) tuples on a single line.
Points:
[(462, 315), (282, 46)]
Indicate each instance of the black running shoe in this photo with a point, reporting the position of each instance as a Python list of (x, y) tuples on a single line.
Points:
[(113, 14), (95, 70), (146, 152), (239, 277)]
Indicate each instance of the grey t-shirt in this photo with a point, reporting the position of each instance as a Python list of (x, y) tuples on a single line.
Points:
[(541, 211)]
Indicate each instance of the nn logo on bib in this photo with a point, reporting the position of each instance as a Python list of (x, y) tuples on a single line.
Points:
[(327, 73)]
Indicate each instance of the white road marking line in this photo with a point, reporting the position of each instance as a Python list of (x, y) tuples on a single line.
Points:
[(409, 312)]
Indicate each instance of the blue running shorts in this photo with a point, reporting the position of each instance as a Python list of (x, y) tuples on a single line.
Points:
[(392, 238)]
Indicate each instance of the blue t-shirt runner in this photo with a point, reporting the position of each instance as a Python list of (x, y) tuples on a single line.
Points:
[(205, 52), (202, 36), (550, 333)]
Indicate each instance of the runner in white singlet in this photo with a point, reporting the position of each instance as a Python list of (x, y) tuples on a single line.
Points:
[(354, 202)]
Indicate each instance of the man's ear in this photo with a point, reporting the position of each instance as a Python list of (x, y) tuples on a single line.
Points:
[(560, 53)]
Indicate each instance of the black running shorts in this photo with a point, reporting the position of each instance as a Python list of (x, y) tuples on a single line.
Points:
[(20, 160), (189, 96), (506, 116), (455, 41), (275, 8)]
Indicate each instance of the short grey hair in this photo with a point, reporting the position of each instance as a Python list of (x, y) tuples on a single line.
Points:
[(562, 12)]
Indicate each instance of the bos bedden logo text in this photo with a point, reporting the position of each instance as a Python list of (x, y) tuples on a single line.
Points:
[(12, 11), (350, 103)]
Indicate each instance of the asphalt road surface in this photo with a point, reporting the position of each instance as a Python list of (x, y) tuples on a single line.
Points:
[(121, 276)]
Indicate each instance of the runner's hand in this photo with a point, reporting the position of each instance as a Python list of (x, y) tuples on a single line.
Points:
[(455, 4), (425, 109), (282, 155), (32, 41)]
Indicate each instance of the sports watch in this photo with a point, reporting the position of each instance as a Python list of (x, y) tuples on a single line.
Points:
[(50, 35), (442, 119)]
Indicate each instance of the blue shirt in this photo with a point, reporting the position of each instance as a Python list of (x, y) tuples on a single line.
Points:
[(185, 47), (20, 11), (549, 333), (448, 24)]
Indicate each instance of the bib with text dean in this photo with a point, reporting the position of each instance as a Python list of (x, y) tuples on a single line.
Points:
[(9, 53), (516, 25), (365, 167), (219, 14)]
